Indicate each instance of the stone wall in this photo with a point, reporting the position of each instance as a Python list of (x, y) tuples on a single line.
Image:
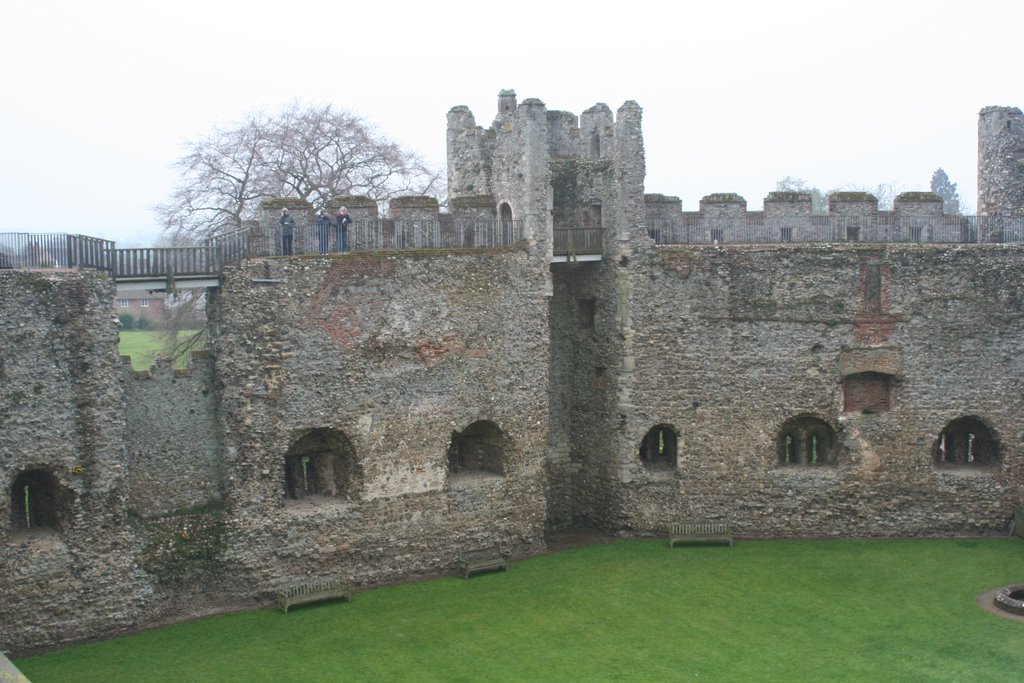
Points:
[(66, 568), (386, 356), (173, 435), (729, 345), (589, 376)]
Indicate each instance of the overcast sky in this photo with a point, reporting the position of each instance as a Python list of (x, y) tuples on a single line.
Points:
[(98, 97)]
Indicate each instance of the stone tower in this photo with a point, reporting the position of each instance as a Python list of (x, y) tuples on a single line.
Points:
[(1001, 161)]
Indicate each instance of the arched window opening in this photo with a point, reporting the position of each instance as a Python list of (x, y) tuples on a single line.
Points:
[(658, 448), (505, 221), (321, 463), (806, 441), (967, 442), (478, 449), (867, 392), (595, 145), (36, 502)]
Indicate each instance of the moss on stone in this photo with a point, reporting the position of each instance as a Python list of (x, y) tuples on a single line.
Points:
[(40, 283), (350, 201), (183, 545), (414, 202), (660, 199), (723, 198), (918, 197), (852, 197), (285, 203), (788, 197)]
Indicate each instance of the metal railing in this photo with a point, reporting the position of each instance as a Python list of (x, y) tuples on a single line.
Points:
[(53, 250), (759, 229), (230, 247), (57, 250), (454, 234), (390, 234), (165, 262), (578, 241), (26, 250)]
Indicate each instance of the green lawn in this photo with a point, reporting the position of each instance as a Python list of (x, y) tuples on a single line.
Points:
[(144, 345), (630, 610)]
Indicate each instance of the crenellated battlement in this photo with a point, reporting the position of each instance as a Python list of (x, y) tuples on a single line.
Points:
[(723, 218)]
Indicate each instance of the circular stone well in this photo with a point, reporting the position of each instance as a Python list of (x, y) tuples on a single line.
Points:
[(1010, 599)]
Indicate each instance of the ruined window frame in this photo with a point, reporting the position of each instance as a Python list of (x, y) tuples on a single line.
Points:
[(38, 502), (659, 447), (807, 441), (331, 472), (967, 443), (485, 435)]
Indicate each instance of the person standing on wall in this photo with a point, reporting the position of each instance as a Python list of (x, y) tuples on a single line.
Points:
[(287, 232), (323, 231), (341, 222)]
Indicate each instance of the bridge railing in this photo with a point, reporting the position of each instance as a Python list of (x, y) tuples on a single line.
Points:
[(161, 262), (431, 234), (230, 247), (758, 229), (53, 250), (390, 234), (578, 241)]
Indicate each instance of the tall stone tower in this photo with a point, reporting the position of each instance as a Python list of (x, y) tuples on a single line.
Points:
[(1001, 161)]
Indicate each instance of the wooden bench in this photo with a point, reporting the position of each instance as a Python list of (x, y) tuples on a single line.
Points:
[(313, 590), (490, 559), (699, 532)]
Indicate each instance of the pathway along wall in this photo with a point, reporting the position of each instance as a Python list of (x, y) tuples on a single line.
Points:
[(864, 357), (381, 411)]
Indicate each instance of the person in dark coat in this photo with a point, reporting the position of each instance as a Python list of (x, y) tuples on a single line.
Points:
[(287, 232), (323, 231), (341, 222)]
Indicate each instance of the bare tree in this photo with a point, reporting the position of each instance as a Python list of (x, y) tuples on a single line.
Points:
[(819, 199), (312, 152), (886, 193), (184, 330), (222, 178)]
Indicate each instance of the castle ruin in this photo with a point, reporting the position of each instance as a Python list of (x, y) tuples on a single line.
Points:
[(620, 366)]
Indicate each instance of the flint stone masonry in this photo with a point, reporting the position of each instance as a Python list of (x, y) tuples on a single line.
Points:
[(1001, 161), (173, 433), (373, 415), (728, 345), (396, 352), (62, 410)]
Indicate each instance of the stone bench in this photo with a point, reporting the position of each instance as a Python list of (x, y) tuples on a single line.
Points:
[(313, 590), (494, 558), (699, 532)]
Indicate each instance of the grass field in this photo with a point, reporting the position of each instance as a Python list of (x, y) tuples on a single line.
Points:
[(144, 345), (630, 610)]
